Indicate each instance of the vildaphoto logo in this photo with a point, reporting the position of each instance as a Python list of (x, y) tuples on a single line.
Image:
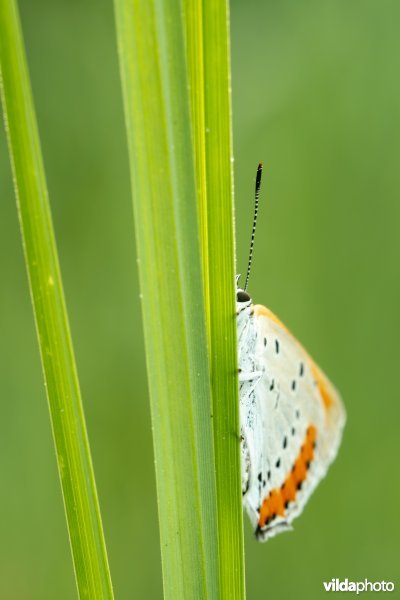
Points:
[(336, 585)]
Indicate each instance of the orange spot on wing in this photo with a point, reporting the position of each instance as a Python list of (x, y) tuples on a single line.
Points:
[(276, 502)]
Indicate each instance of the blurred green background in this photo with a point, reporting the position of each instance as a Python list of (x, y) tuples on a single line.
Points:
[(316, 96)]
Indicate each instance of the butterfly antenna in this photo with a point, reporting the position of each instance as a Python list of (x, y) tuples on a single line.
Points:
[(253, 231)]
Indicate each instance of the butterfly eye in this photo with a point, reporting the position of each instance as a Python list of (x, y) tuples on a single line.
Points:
[(242, 296)]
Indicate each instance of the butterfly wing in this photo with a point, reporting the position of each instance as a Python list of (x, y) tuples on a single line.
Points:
[(292, 419)]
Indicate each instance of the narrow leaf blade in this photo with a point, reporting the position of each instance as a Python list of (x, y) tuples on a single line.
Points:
[(207, 41), (154, 81), (61, 380)]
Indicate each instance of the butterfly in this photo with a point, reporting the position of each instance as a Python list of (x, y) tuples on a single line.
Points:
[(291, 416)]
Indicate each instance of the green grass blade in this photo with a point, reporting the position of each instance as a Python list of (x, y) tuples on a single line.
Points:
[(154, 80), (68, 424), (207, 34), (221, 260), (193, 20)]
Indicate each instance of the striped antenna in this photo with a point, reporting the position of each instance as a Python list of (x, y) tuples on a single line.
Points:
[(253, 231)]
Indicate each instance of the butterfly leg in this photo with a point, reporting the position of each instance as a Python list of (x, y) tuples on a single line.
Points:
[(245, 463), (250, 376)]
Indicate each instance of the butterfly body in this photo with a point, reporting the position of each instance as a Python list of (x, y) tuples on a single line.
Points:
[(291, 420)]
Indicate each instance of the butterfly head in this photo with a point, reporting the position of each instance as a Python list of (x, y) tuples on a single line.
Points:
[(242, 297), (243, 300)]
